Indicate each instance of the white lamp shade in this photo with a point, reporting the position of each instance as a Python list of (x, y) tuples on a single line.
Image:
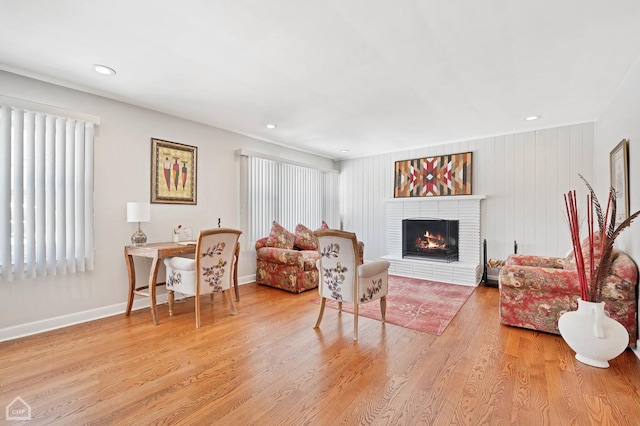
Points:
[(138, 212)]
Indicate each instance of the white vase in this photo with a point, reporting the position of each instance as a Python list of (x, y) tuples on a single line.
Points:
[(176, 238), (593, 336)]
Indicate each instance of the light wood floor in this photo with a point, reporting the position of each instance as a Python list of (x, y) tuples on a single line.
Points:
[(268, 366)]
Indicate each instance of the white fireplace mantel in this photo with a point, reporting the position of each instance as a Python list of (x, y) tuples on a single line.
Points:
[(463, 208), (436, 199)]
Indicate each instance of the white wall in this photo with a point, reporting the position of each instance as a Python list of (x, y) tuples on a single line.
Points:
[(621, 120), (524, 177), (122, 173)]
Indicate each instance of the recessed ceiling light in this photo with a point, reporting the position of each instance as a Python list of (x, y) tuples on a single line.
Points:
[(344, 151), (270, 126), (532, 117), (103, 69)]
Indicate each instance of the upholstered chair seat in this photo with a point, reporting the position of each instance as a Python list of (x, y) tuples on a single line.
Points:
[(344, 279), (210, 272)]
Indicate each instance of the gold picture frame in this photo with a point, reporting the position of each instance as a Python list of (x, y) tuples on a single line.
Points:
[(174, 172), (619, 168)]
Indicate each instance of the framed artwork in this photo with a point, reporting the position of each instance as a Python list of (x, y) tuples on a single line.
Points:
[(174, 172), (433, 176), (619, 160)]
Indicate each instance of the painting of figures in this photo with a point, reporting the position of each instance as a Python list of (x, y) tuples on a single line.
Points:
[(173, 172)]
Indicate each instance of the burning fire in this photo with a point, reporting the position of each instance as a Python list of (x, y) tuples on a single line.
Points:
[(431, 241)]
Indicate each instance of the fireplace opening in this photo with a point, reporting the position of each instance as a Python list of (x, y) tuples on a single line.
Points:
[(432, 239)]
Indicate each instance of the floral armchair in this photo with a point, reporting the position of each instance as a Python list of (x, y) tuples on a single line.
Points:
[(535, 291), (345, 278), (211, 271), (287, 260)]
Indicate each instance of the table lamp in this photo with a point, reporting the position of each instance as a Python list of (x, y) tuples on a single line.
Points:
[(138, 212)]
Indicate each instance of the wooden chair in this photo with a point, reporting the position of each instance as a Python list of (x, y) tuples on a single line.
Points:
[(212, 270), (344, 279)]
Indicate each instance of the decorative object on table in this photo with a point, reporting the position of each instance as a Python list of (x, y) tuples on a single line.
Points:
[(173, 172), (138, 212), (176, 234), (182, 234), (594, 337), (433, 176), (619, 159)]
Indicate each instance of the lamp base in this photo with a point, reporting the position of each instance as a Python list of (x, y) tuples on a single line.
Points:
[(138, 238)]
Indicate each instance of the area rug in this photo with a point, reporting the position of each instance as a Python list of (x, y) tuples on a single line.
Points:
[(422, 305)]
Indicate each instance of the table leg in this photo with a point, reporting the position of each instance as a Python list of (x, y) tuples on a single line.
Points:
[(235, 273), (132, 280), (153, 275)]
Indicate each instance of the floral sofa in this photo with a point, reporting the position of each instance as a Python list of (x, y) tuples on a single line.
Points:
[(287, 260), (535, 291)]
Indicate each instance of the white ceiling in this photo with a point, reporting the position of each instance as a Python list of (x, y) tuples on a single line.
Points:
[(370, 76)]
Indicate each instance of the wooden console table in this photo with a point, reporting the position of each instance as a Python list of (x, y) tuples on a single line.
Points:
[(157, 252)]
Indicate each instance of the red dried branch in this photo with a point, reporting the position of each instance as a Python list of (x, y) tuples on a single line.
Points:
[(603, 231), (600, 261), (572, 214), (592, 273)]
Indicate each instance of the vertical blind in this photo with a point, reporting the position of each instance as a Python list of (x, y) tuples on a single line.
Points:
[(46, 194), (289, 194)]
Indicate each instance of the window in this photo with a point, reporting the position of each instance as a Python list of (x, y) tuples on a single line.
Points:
[(46, 193), (289, 194)]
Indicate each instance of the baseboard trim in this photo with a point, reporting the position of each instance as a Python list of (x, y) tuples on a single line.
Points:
[(36, 327)]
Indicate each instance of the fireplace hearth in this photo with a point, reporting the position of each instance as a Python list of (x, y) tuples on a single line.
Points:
[(430, 239)]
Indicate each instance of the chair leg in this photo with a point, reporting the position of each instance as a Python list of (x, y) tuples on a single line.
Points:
[(322, 302), (197, 299), (232, 305), (171, 299), (383, 307), (355, 322), (235, 272), (339, 306)]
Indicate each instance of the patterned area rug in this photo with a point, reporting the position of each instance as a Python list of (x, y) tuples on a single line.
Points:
[(427, 306)]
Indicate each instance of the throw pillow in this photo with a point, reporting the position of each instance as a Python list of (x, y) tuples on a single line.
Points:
[(280, 237), (305, 238), (324, 225)]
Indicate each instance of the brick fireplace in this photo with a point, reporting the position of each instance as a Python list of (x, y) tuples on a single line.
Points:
[(464, 211)]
